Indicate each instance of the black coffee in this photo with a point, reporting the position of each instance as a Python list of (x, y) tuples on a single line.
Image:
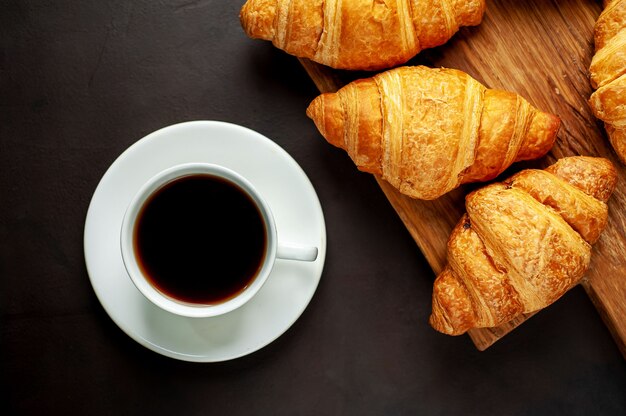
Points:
[(200, 239)]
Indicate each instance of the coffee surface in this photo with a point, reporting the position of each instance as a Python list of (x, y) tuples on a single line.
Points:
[(200, 239)]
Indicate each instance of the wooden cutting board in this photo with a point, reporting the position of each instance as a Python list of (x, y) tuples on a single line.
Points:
[(541, 50)]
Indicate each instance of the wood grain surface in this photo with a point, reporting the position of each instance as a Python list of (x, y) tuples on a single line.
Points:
[(541, 50)]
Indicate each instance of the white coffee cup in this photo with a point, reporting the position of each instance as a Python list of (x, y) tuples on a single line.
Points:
[(273, 248)]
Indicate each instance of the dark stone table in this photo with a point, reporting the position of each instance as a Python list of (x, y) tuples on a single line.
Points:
[(80, 81)]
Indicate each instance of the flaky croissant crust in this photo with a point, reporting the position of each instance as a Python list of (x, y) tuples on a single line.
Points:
[(358, 34), (522, 244), (608, 73), (426, 131)]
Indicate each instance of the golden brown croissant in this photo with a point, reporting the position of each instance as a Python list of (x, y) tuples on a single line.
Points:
[(522, 244), (608, 73), (426, 131), (358, 34)]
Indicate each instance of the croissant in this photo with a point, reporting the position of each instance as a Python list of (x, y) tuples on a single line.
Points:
[(358, 34), (608, 73), (426, 131), (522, 244)]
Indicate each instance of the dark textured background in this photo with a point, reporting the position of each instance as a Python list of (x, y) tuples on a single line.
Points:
[(82, 80)]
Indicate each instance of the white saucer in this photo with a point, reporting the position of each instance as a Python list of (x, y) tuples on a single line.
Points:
[(289, 288)]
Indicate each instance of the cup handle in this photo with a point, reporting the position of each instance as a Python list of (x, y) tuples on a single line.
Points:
[(296, 252)]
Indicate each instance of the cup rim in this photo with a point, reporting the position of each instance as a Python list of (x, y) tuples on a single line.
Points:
[(164, 301)]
